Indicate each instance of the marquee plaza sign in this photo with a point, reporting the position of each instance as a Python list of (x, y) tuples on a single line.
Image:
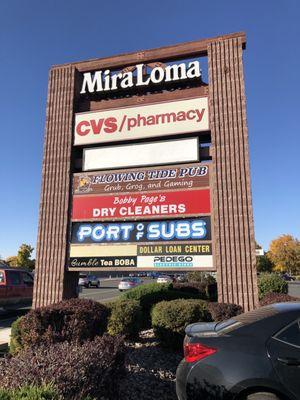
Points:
[(146, 168), (100, 81)]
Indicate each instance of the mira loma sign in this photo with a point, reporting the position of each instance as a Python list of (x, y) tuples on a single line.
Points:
[(104, 81)]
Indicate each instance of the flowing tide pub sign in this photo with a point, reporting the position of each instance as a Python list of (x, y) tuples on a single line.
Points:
[(146, 169)]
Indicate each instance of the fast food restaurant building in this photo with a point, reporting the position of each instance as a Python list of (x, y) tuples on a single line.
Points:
[(146, 168)]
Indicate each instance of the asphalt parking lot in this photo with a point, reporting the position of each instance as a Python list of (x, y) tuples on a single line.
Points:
[(108, 290)]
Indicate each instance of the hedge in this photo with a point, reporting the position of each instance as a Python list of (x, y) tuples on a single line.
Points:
[(76, 371), (16, 337), (205, 282), (74, 320), (199, 276), (125, 318), (222, 311), (271, 298), (205, 291), (271, 283), (153, 293), (170, 318)]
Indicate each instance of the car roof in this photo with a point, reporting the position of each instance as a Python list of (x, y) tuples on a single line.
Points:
[(265, 321), (288, 306), (8, 268)]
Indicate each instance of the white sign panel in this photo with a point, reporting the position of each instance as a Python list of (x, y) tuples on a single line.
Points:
[(175, 261), (146, 121), (136, 155), (259, 252)]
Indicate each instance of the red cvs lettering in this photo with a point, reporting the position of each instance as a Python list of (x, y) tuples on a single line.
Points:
[(95, 127)]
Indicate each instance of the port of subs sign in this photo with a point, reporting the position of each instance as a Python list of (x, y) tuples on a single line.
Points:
[(141, 232)]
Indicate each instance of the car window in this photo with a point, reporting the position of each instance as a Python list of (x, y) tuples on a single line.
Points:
[(1, 277), (290, 334), (27, 279), (14, 277)]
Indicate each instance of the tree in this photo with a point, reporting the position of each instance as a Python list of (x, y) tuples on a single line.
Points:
[(284, 252), (257, 246), (12, 261), (264, 264), (23, 258), (24, 255)]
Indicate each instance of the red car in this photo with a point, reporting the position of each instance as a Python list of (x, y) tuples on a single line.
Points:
[(16, 287)]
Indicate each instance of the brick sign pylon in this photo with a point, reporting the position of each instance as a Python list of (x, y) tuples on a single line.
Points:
[(232, 228)]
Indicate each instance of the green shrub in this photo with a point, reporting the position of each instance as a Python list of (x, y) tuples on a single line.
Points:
[(46, 392), (202, 289), (222, 311), (125, 318), (75, 370), (15, 337), (151, 294), (199, 276), (205, 282), (74, 320), (271, 283), (170, 318), (145, 293), (271, 298)]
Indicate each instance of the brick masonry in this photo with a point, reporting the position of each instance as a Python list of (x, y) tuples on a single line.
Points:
[(234, 250), (52, 281)]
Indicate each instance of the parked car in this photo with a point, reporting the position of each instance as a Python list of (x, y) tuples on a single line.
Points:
[(254, 356), (181, 278), (164, 279), (287, 277), (141, 274), (89, 281), (154, 275), (16, 287), (129, 283)]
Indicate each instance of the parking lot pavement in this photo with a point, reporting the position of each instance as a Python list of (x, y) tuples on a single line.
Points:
[(108, 290)]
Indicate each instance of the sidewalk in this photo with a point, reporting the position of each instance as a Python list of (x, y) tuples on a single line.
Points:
[(4, 337)]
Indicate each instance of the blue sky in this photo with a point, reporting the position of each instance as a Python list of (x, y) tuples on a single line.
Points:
[(36, 34)]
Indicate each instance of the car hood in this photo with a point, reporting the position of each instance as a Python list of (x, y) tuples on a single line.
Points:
[(201, 329)]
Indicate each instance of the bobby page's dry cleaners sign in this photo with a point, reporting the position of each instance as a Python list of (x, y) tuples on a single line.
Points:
[(104, 81)]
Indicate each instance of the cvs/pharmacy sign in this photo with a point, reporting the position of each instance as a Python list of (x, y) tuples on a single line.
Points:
[(133, 123)]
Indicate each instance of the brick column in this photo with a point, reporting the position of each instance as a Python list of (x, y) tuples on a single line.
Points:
[(234, 248), (52, 281)]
